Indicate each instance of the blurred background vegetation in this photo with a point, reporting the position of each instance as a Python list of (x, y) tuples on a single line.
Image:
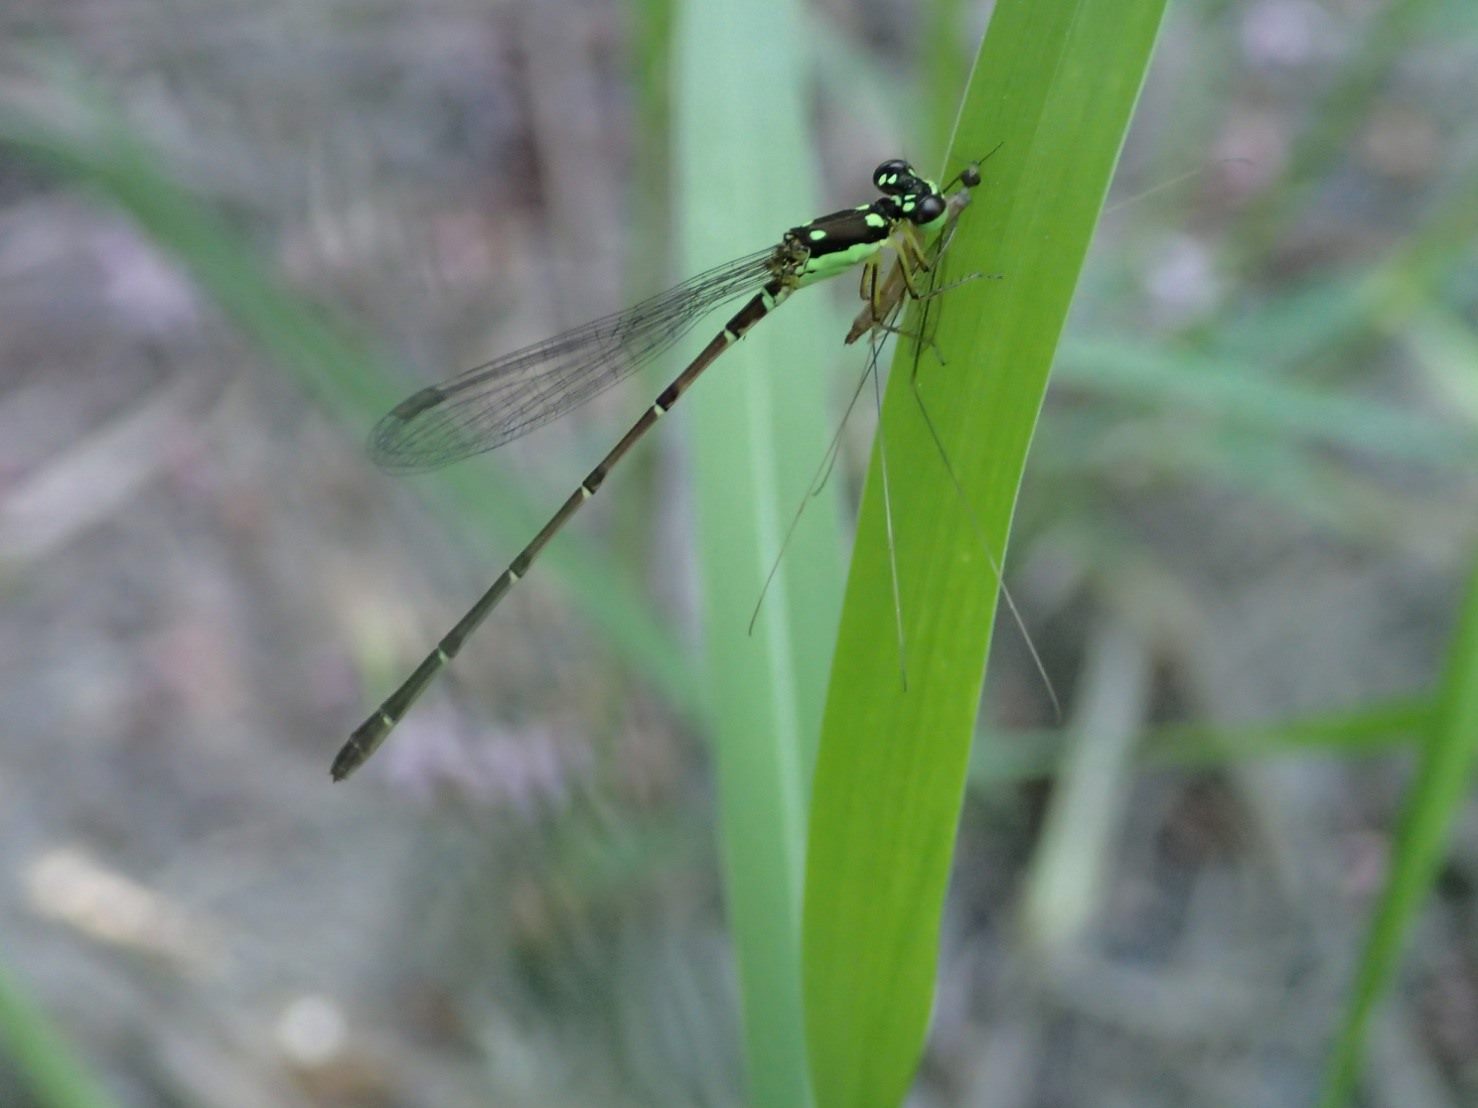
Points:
[(232, 234)]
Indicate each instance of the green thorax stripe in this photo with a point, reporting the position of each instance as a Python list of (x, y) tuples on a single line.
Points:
[(840, 240)]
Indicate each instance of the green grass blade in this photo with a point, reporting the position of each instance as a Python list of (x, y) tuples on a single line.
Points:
[(1055, 84), (1434, 803), (761, 428), (1238, 394), (1388, 726), (40, 1057)]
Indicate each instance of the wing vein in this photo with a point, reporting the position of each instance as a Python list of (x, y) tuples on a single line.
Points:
[(494, 403)]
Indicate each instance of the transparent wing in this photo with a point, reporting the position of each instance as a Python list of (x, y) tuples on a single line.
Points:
[(494, 403)]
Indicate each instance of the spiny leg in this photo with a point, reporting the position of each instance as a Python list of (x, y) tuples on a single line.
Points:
[(823, 473), (985, 546), (888, 525)]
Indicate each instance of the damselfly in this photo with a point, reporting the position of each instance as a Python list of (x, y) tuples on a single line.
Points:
[(495, 403)]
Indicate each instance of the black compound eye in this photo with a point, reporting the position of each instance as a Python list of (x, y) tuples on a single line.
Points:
[(927, 209), (893, 176), (970, 176)]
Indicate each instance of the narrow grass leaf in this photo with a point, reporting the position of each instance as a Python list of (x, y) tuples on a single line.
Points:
[(1433, 805), (1054, 86), (761, 428), (1002, 758)]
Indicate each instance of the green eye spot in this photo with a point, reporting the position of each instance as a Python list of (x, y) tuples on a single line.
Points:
[(816, 234)]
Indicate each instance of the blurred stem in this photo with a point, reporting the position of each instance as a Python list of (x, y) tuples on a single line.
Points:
[(648, 269), (1385, 726), (760, 426)]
